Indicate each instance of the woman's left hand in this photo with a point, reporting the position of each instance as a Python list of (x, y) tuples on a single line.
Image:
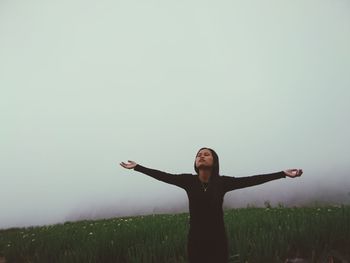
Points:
[(293, 172)]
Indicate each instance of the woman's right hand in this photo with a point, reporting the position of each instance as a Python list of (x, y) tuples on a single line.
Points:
[(129, 165)]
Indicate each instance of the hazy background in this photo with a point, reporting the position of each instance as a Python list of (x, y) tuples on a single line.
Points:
[(88, 84)]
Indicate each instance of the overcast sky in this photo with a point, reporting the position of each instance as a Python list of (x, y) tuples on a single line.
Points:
[(88, 84)]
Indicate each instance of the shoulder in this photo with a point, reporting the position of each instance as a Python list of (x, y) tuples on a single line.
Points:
[(188, 175), (226, 177), (184, 175)]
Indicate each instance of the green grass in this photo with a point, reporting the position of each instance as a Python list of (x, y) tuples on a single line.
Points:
[(255, 235)]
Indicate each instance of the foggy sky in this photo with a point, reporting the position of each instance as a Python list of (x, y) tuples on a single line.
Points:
[(88, 84)]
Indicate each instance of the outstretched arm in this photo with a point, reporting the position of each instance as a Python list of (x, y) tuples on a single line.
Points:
[(175, 179), (230, 183)]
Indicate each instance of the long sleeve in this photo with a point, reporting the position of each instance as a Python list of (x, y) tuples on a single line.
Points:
[(179, 180), (230, 183)]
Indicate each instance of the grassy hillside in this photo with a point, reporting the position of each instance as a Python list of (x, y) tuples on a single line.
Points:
[(255, 235)]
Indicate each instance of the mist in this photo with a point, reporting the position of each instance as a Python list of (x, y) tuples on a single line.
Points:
[(86, 85)]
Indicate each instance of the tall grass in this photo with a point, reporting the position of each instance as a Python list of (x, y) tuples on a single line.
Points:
[(255, 235)]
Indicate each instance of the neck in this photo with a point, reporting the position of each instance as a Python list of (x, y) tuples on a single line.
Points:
[(204, 175)]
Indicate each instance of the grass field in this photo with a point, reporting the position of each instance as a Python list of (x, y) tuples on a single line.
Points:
[(269, 234)]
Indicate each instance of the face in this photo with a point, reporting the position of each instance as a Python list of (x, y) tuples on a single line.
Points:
[(204, 158)]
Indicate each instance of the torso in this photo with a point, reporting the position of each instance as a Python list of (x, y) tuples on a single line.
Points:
[(205, 207)]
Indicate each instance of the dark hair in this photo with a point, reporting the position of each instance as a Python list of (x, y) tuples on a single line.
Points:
[(215, 170)]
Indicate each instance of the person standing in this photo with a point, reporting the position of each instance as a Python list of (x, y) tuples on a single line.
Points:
[(207, 237)]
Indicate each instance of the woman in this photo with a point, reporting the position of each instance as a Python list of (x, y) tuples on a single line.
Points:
[(207, 240)]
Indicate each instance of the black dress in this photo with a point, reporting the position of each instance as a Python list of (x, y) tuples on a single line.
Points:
[(207, 240)]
